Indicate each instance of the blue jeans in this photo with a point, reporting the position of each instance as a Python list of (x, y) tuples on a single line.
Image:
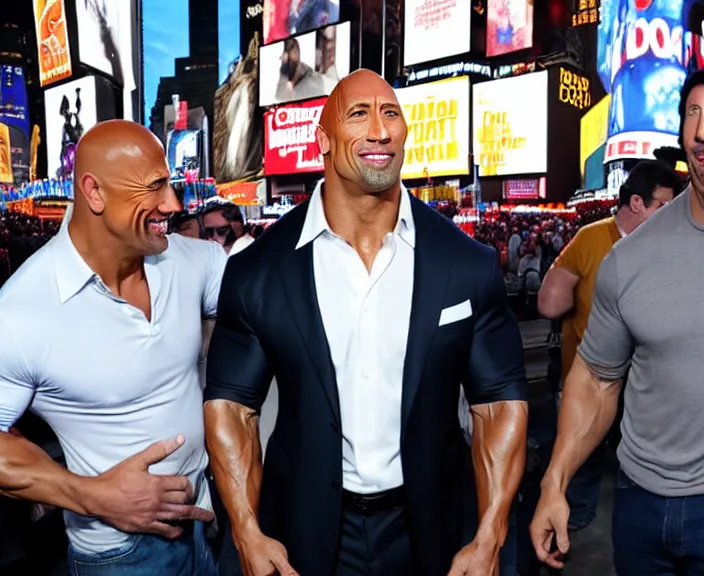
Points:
[(148, 555), (655, 535)]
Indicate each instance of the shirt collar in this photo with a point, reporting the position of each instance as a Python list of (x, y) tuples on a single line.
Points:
[(316, 224), (71, 271)]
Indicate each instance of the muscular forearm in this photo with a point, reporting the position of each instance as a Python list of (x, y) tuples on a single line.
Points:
[(232, 437), (499, 454), (29, 473), (587, 411)]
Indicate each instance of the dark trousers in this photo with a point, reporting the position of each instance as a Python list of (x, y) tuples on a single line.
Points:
[(376, 545), (654, 535)]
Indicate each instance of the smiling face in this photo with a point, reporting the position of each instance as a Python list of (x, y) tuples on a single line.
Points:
[(693, 137), (124, 178), (362, 133)]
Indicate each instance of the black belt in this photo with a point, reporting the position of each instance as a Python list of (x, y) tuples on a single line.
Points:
[(371, 504)]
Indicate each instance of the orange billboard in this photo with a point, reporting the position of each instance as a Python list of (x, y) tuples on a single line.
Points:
[(52, 41)]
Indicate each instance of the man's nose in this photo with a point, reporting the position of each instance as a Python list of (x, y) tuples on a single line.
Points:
[(378, 131), (170, 203)]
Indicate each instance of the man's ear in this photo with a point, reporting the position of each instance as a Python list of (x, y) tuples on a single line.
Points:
[(323, 141), (90, 190)]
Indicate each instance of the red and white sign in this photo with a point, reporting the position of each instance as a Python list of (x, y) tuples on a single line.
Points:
[(636, 145), (290, 144)]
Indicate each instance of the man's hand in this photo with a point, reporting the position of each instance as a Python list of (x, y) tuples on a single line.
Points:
[(131, 499), (476, 559), (550, 521), (263, 556)]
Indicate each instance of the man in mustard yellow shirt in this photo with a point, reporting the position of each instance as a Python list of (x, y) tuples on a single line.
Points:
[(566, 293)]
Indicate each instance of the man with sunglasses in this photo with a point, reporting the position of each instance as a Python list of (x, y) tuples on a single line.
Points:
[(223, 223)]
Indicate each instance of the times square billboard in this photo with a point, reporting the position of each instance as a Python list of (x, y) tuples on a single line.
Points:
[(645, 50)]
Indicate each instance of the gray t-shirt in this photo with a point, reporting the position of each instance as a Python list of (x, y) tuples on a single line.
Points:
[(648, 315)]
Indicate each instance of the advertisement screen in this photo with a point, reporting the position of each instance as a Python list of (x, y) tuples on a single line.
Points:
[(99, 43), (437, 115), (52, 41), (509, 26), (507, 138), (643, 49), (290, 144), (435, 29), (593, 130), (14, 126), (307, 66), (284, 18), (183, 154), (70, 110)]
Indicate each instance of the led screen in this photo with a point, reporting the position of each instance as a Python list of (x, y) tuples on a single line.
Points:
[(435, 29), (510, 132), (305, 66), (509, 26), (284, 18), (52, 41)]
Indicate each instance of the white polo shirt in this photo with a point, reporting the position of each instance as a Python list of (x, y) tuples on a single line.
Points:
[(108, 381)]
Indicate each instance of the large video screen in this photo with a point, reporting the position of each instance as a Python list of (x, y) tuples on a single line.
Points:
[(70, 110), (284, 18), (511, 134), (437, 115), (52, 41), (290, 143), (305, 66), (509, 26), (643, 57), (435, 29), (14, 126), (99, 43)]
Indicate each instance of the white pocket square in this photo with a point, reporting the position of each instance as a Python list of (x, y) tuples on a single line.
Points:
[(456, 313)]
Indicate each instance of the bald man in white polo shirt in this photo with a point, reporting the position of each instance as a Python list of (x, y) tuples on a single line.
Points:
[(100, 334)]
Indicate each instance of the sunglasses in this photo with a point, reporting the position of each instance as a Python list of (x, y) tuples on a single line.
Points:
[(220, 231)]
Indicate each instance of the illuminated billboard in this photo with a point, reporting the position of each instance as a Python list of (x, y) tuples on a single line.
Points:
[(14, 126), (306, 66), (437, 115), (435, 29), (284, 18), (290, 143), (643, 57), (593, 130), (510, 134), (52, 41), (509, 26)]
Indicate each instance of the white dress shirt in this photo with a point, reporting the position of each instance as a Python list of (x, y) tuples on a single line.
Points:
[(241, 243), (109, 381), (366, 318)]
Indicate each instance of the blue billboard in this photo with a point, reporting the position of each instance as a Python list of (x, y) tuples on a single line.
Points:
[(14, 126), (644, 53)]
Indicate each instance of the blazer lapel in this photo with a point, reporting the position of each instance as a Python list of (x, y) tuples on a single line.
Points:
[(430, 277), (297, 275)]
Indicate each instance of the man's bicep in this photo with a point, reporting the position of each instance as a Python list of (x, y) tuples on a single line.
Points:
[(607, 345), (237, 367), (495, 371)]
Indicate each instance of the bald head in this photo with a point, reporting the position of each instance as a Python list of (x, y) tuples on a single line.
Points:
[(362, 133), (121, 181), (353, 87)]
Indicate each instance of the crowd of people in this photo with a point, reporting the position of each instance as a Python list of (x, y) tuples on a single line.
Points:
[(20, 236)]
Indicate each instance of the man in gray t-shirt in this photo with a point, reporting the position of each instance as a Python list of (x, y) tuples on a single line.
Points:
[(647, 317)]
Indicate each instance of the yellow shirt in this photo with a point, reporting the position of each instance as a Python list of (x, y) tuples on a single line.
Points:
[(582, 257)]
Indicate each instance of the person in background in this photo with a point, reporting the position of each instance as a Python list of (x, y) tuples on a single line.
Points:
[(646, 319), (568, 288), (222, 222), (101, 332), (297, 80), (244, 238), (187, 224)]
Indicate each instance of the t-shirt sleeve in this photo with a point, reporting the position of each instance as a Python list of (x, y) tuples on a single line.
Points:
[(238, 368), (17, 386), (216, 260), (608, 344), (572, 257), (495, 371)]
